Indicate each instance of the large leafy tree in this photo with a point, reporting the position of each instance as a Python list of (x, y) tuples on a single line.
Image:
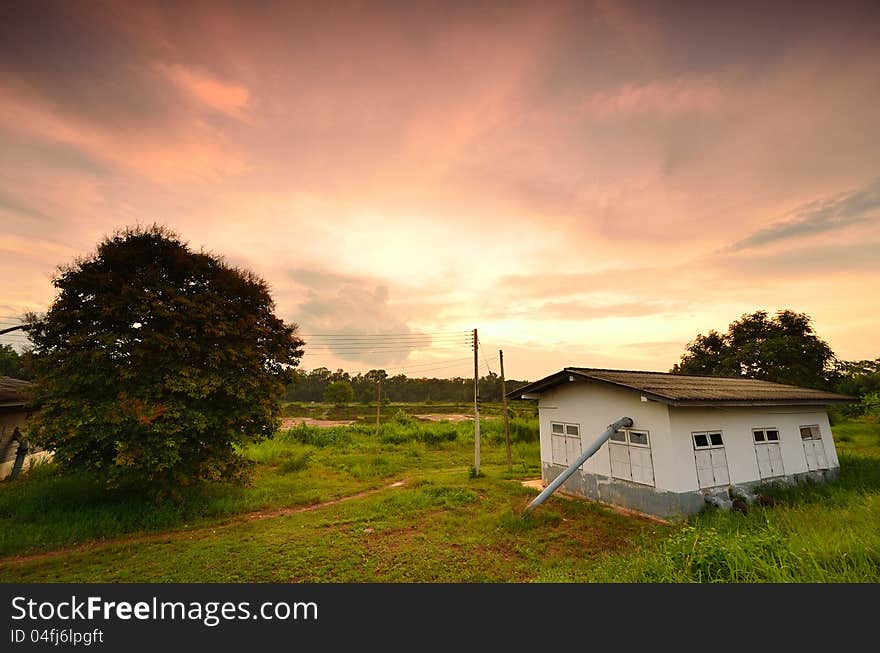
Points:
[(783, 348), (156, 362), (339, 393)]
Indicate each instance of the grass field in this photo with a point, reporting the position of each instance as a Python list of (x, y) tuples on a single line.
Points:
[(415, 513)]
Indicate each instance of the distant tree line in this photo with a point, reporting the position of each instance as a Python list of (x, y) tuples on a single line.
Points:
[(323, 385)]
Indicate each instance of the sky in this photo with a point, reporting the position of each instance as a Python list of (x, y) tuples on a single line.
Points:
[(586, 183)]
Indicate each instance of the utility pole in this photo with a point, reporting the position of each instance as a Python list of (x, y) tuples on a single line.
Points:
[(378, 403), (476, 406), (506, 422)]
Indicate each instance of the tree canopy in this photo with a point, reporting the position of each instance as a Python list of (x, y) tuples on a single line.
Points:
[(155, 362), (14, 364), (339, 392), (783, 348)]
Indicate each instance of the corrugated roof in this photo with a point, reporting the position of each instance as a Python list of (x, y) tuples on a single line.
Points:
[(681, 389), (11, 391)]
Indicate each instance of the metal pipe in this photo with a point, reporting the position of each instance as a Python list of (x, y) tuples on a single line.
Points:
[(622, 423), (20, 454)]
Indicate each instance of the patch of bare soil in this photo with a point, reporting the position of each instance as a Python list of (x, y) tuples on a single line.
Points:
[(445, 417), (290, 422)]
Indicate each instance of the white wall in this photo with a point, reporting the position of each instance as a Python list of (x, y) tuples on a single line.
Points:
[(593, 407), (736, 424)]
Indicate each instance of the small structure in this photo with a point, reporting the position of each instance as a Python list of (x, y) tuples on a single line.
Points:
[(13, 414), (692, 438)]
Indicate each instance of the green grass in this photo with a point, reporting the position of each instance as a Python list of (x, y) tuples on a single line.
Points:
[(441, 526)]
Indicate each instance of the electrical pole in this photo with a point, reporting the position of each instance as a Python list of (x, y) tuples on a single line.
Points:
[(378, 403), (506, 422), (476, 406)]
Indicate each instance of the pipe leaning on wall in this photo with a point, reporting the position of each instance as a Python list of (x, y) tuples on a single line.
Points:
[(622, 423), (20, 454)]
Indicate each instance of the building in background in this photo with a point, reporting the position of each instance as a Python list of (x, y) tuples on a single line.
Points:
[(14, 412)]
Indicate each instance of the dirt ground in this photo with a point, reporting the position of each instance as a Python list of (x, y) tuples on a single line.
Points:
[(444, 417), (290, 422)]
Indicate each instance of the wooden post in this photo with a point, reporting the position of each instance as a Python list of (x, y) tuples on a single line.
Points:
[(378, 404), (504, 408), (476, 406)]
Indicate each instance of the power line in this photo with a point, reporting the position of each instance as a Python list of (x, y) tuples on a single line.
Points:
[(485, 360), (418, 336), (424, 371), (387, 335)]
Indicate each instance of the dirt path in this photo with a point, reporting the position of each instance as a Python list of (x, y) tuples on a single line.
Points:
[(232, 520), (290, 422)]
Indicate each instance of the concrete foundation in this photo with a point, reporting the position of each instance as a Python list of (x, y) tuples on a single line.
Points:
[(660, 503)]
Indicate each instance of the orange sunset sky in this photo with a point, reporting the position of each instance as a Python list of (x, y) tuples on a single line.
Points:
[(588, 183)]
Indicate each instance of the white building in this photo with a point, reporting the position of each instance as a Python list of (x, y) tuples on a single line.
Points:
[(692, 436)]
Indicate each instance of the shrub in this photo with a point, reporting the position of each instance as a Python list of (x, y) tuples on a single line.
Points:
[(319, 437), (295, 461), (401, 418), (438, 435)]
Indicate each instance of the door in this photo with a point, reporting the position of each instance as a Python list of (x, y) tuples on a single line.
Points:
[(565, 443), (814, 448), (768, 452), (711, 459)]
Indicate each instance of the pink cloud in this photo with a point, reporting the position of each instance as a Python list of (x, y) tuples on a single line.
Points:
[(659, 99), (227, 98)]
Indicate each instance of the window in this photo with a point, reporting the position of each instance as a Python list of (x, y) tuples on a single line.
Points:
[(711, 459), (814, 448), (630, 452), (767, 452), (565, 443)]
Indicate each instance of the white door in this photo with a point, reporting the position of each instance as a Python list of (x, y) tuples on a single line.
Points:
[(775, 458), (572, 450), (565, 443), (620, 466), (705, 477), (557, 443), (763, 455), (641, 465), (711, 459), (719, 466), (768, 452), (814, 448)]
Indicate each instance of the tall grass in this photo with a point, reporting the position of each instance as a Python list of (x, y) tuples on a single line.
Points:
[(813, 532)]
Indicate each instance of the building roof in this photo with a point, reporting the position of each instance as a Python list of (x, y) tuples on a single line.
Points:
[(687, 390), (12, 391)]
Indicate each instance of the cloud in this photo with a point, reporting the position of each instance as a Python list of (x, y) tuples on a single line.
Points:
[(658, 99), (222, 96), (835, 214), (354, 309)]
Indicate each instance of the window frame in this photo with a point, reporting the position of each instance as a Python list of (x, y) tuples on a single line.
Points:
[(708, 435), (815, 432), (765, 438)]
